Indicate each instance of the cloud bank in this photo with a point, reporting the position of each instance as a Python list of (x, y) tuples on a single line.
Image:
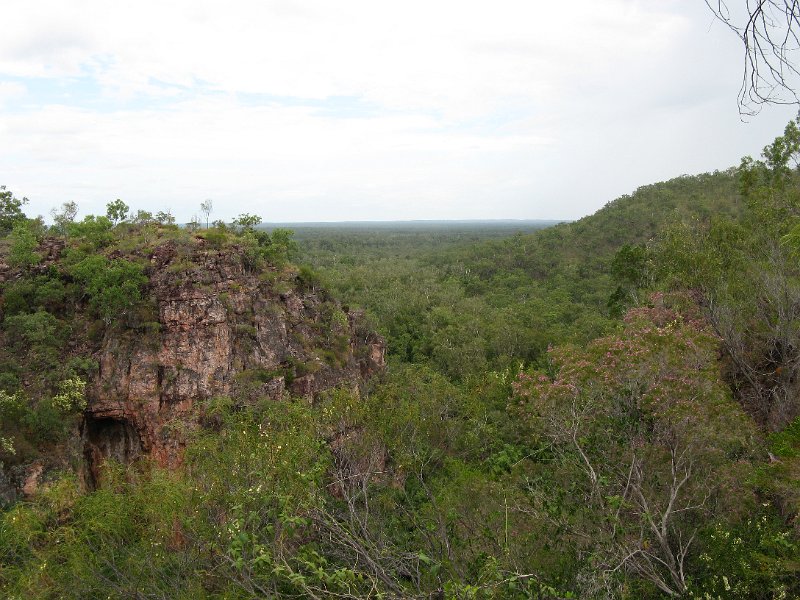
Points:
[(309, 111)]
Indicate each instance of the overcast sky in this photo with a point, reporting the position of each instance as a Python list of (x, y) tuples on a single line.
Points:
[(365, 110)]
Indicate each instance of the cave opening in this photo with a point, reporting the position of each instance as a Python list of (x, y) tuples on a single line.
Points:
[(108, 439)]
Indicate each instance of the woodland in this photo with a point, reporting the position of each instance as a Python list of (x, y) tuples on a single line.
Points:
[(606, 408)]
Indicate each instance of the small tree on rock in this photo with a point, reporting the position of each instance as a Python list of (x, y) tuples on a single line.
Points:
[(117, 211), (10, 210), (206, 207)]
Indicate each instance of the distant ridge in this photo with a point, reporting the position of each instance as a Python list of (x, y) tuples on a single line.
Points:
[(420, 223)]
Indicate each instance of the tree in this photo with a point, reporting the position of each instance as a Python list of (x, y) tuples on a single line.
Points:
[(10, 210), (630, 271), (23, 245), (768, 30), (647, 439), (63, 217), (143, 217), (745, 274), (246, 222), (71, 395), (117, 211), (194, 224), (206, 207), (95, 230), (165, 218)]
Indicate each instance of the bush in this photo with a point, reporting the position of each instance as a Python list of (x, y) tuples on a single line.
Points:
[(309, 279), (71, 396), (46, 422), (216, 238), (23, 245), (94, 230), (35, 331), (113, 286), (10, 210)]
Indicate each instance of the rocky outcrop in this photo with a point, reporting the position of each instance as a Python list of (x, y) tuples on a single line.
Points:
[(216, 329), (49, 251)]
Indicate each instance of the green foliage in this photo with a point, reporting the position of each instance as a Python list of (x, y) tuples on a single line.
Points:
[(630, 266), (23, 244), (165, 218), (46, 291), (308, 279), (11, 405), (746, 276), (261, 248), (7, 447), (117, 211), (643, 425), (630, 269), (246, 222), (143, 218), (95, 231), (117, 542), (756, 558), (63, 217), (45, 422), (216, 238), (113, 286), (617, 465), (281, 247), (786, 443), (10, 210), (242, 521), (71, 396), (774, 171), (35, 330)]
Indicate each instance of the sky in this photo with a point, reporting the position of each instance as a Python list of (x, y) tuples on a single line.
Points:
[(305, 110)]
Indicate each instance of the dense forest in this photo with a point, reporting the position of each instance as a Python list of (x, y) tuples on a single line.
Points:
[(607, 408)]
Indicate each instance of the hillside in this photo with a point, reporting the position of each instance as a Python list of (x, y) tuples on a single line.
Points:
[(588, 244)]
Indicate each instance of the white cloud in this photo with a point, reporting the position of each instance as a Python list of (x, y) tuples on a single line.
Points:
[(453, 109), (11, 90)]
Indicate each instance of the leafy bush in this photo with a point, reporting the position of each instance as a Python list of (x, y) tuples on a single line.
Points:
[(36, 329), (10, 210), (217, 238), (96, 231), (113, 286), (71, 396), (23, 244)]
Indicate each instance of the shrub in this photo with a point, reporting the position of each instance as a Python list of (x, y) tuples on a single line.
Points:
[(10, 210), (216, 238), (71, 395), (23, 245), (113, 286), (96, 231)]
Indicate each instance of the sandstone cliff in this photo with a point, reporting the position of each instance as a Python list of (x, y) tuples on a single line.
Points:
[(213, 327), (221, 331)]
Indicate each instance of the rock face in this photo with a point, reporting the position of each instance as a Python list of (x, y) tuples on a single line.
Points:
[(217, 330)]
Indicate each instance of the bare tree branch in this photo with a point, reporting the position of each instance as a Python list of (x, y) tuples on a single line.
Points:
[(768, 30)]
